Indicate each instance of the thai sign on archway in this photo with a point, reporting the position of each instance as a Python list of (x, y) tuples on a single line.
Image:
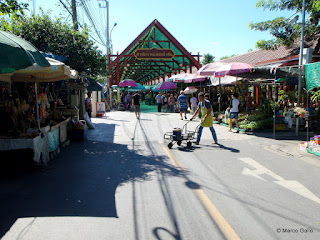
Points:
[(154, 53)]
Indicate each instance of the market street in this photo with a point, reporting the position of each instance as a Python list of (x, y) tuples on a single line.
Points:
[(124, 183)]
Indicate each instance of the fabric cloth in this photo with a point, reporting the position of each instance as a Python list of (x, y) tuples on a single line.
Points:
[(204, 111), (182, 101), (88, 104), (213, 132), (235, 105), (136, 99), (171, 101), (194, 102), (159, 99), (233, 115), (37, 144)]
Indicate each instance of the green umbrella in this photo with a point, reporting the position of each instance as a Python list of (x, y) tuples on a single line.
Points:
[(17, 53)]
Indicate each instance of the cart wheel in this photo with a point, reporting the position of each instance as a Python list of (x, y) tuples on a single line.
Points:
[(179, 143), (189, 144), (170, 145)]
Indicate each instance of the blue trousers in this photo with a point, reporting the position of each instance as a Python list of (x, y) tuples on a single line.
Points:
[(212, 131)]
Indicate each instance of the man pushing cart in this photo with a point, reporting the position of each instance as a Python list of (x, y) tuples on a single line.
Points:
[(206, 120)]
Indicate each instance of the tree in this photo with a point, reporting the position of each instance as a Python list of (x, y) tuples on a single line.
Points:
[(12, 7), (207, 58), (285, 32), (225, 57), (60, 38)]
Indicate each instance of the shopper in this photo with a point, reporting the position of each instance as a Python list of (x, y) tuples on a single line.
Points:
[(165, 103), (159, 99), (183, 104), (88, 104), (148, 98), (136, 104), (234, 110), (171, 103), (206, 121), (194, 103)]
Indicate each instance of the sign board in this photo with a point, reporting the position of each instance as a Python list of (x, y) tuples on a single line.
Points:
[(101, 108), (154, 53)]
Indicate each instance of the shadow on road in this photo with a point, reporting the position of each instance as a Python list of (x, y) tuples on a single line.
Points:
[(81, 182)]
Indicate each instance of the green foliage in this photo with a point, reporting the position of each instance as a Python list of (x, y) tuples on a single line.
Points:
[(58, 37), (225, 57), (283, 31), (12, 7), (315, 95), (207, 58)]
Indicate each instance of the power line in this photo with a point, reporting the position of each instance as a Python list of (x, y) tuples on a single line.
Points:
[(85, 7)]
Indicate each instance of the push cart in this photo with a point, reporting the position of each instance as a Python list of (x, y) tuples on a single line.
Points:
[(181, 134)]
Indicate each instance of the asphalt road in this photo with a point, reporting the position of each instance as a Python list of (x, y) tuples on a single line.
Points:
[(124, 183)]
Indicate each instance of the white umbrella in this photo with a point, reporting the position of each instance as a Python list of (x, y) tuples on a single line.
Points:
[(209, 69), (190, 90)]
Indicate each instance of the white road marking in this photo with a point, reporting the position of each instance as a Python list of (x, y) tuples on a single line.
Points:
[(294, 186)]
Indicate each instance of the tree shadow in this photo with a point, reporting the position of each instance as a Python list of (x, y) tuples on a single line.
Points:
[(80, 182)]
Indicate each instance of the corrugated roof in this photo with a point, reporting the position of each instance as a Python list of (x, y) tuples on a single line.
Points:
[(260, 57)]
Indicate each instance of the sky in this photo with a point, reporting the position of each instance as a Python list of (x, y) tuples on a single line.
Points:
[(218, 27)]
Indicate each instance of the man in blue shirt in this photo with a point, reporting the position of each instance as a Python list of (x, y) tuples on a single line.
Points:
[(183, 104)]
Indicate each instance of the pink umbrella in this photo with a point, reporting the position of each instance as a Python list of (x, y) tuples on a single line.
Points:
[(190, 90), (165, 86), (209, 69), (128, 83), (194, 78), (178, 77), (232, 69)]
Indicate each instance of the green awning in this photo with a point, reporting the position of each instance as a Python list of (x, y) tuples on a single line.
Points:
[(312, 72)]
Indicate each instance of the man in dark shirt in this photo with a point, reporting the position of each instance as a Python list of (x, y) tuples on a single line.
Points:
[(136, 103)]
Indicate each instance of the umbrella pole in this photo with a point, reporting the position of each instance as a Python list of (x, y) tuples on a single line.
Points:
[(37, 105)]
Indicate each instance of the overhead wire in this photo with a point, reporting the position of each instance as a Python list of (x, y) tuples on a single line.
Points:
[(89, 16)]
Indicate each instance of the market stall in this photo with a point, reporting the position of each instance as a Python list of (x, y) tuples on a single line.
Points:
[(28, 106)]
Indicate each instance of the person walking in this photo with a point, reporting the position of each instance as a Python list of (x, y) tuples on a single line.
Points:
[(88, 104), (206, 121), (171, 102), (148, 98), (159, 99), (183, 104), (194, 103), (165, 102), (234, 110), (136, 104)]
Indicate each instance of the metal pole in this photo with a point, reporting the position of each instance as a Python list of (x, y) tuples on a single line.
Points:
[(74, 15), (300, 60)]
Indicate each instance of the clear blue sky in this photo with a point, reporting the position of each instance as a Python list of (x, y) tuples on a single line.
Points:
[(205, 26)]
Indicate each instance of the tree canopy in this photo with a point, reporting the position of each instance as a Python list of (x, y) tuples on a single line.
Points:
[(58, 37), (286, 32), (12, 7), (207, 58)]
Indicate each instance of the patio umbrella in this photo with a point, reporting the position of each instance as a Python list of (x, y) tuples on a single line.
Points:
[(178, 77), (209, 69), (17, 53), (139, 87), (165, 86), (57, 71), (128, 83), (190, 90), (194, 78), (232, 69)]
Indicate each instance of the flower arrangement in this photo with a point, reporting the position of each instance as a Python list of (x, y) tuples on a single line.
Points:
[(300, 111)]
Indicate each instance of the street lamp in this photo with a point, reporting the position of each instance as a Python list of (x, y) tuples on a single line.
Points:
[(110, 41)]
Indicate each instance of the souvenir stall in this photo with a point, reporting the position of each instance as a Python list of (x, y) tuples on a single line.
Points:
[(28, 105)]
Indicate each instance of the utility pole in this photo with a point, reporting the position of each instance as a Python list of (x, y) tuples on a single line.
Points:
[(301, 60), (108, 47), (34, 7), (74, 15)]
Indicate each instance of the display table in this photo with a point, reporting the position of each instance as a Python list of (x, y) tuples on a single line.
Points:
[(37, 144)]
